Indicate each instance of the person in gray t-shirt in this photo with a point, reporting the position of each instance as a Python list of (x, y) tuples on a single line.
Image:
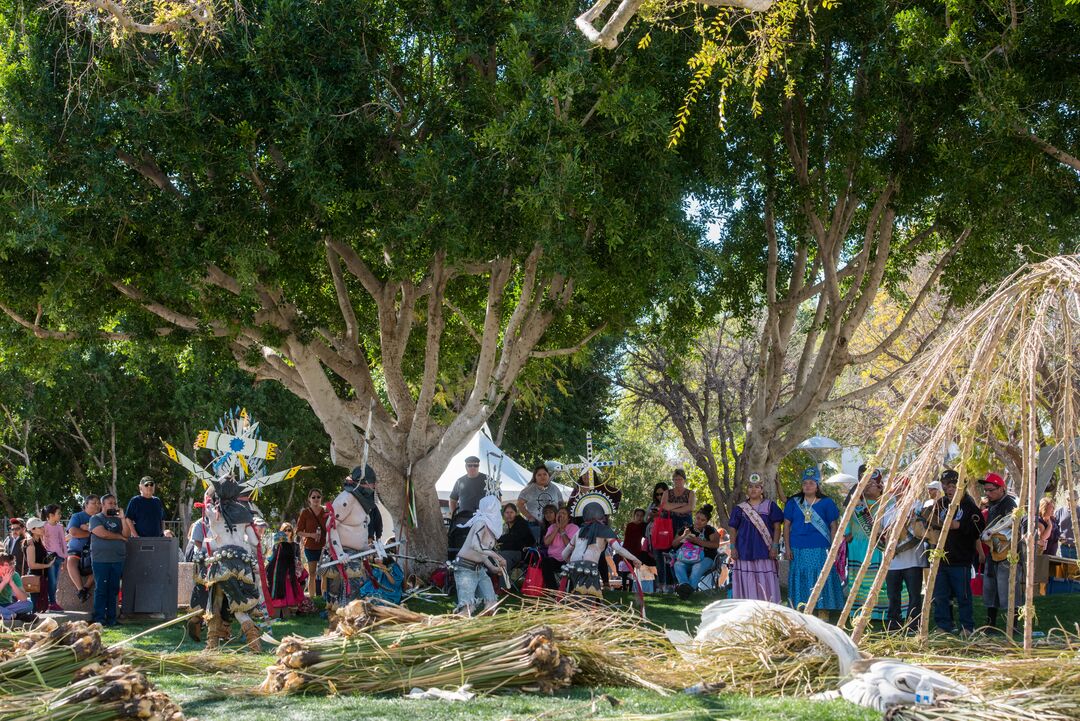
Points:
[(539, 492), (469, 489), (1067, 542), (107, 554)]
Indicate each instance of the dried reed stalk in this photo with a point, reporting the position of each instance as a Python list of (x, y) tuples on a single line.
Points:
[(1018, 344)]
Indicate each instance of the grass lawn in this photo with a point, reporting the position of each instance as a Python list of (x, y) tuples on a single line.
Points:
[(226, 697)]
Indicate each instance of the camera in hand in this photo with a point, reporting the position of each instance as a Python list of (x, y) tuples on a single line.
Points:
[(112, 512)]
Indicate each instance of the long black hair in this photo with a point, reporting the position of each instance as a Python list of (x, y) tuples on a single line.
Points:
[(661, 486)]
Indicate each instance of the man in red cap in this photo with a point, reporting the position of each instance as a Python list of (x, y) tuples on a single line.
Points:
[(996, 572)]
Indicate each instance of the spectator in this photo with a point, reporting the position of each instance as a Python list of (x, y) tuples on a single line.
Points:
[(696, 551), (283, 574), (634, 535), (145, 513), (517, 538), (934, 490), (550, 510), (1049, 533), (537, 495), (906, 568), (996, 572), (13, 544), (311, 530), (679, 502), (469, 489), (54, 543), (556, 540), (658, 492), (78, 547), (858, 534), (756, 524), (38, 562), (953, 580), (110, 531), (13, 599), (811, 521), (1066, 536)]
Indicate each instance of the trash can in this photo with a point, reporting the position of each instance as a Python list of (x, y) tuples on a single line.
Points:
[(150, 578)]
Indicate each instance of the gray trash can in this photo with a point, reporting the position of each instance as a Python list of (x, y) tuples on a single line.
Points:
[(150, 578)]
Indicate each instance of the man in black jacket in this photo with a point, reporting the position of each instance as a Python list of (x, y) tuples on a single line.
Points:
[(996, 573), (954, 573)]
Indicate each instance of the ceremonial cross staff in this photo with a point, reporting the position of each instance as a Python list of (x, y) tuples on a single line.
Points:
[(590, 464)]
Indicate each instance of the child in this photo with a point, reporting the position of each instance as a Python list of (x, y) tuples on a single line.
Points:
[(478, 556), (283, 573), (586, 549)]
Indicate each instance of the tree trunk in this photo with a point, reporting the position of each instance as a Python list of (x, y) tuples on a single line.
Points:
[(428, 539)]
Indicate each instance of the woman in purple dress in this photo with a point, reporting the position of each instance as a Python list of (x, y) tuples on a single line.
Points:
[(755, 540)]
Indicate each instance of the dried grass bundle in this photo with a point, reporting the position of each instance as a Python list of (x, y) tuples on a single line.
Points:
[(51, 656), (1013, 362), (118, 692), (771, 657), (394, 658)]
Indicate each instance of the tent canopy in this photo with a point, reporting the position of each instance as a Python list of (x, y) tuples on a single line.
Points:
[(514, 475)]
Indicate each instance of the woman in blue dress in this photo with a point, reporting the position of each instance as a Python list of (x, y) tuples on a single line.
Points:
[(811, 521)]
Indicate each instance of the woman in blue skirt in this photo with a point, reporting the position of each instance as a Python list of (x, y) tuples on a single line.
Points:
[(810, 524)]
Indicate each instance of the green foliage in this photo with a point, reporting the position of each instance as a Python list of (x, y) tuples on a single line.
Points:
[(404, 129), (73, 397)]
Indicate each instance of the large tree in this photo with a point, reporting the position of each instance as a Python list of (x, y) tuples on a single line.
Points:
[(862, 166), (380, 205)]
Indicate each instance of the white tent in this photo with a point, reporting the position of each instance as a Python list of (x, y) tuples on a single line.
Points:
[(514, 476)]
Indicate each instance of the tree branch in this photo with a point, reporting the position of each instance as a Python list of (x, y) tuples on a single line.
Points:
[(1053, 151), (149, 170), (557, 352)]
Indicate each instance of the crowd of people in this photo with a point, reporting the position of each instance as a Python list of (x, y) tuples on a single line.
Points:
[(681, 544), (91, 549), (684, 544)]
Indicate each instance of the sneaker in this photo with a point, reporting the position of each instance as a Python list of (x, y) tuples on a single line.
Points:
[(684, 590), (56, 608)]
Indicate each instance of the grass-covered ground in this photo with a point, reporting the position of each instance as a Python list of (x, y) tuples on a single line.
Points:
[(226, 697)]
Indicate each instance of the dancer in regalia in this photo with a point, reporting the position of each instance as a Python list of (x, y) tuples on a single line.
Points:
[(586, 551)]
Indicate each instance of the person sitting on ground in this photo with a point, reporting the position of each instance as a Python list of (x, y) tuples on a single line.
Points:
[(695, 551), (13, 599), (54, 544), (38, 562), (78, 547), (517, 538), (556, 541), (145, 513), (586, 550), (477, 557)]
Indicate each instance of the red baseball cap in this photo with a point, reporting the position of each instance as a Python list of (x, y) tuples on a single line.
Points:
[(993, 479)]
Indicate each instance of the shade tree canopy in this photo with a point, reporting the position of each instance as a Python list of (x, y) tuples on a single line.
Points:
[(392, 203)]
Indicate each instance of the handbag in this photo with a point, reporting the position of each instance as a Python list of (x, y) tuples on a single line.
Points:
[(663, 533), (533, 583), (31, 584), (688, 553)]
